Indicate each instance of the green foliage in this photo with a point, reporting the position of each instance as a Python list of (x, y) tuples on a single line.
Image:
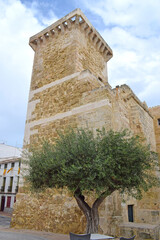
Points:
[(101, 163)]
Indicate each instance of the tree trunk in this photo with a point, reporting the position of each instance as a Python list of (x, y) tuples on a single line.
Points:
[(91, 213), (92, 221)]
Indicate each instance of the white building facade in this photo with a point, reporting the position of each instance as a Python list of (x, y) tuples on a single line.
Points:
[(10, 161)]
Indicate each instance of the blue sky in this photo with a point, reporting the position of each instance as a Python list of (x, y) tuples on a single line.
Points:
[(131, 28)]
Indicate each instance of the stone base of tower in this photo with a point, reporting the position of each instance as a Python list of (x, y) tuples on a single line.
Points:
[(95, 106), (57, 211), (52, 210)]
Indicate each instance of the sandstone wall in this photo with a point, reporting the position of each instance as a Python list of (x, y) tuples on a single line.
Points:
[(64, 54), (155, 111), (57, 211), (89, 57), (51, 107), (138, 119), (52, 210), (96, 107), (137, 115), (54, 59)]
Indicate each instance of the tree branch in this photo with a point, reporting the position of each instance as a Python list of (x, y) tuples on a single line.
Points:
[(101, 198), (81, 201)]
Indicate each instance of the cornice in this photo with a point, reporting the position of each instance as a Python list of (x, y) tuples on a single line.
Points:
[(9, 160), (74, 19)]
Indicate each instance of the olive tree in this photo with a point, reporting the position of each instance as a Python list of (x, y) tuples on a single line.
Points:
[(93, 163)]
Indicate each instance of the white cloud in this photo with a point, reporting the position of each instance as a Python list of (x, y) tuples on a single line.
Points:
[(141, 17), (17, 24), (131, 28), (150, 90), (46, 17)]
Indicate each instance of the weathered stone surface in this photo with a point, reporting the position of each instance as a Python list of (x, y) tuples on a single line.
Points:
[(155, 111), (51, 210), (64, 55)]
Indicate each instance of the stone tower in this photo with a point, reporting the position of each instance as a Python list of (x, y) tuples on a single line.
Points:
[(69, 87), (70, 59)]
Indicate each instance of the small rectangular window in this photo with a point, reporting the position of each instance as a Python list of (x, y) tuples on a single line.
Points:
[(11, 181), (11, 184), (130, 213), (5, 166), (4, 182), (158, 121), (18, 180), (100, 79), (12, 165)]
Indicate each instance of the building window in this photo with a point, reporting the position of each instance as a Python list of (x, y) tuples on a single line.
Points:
[(158, 121), (100, 79), (12, 165), (5, 166), (4, 184), (16, 189), (130, 213), (11, 183)]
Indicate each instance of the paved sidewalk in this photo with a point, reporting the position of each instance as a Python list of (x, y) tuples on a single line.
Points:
[(22, 234), (4, 222), (7, 233), (5, 214)]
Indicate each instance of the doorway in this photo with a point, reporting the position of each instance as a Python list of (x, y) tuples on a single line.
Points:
[(2, 203), (130, 213)]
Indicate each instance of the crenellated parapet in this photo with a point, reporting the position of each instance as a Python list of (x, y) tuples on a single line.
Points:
[(75, 19)]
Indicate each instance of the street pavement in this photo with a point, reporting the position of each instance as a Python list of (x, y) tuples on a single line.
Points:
[(19, 236), (4, 222), (7, 233)]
